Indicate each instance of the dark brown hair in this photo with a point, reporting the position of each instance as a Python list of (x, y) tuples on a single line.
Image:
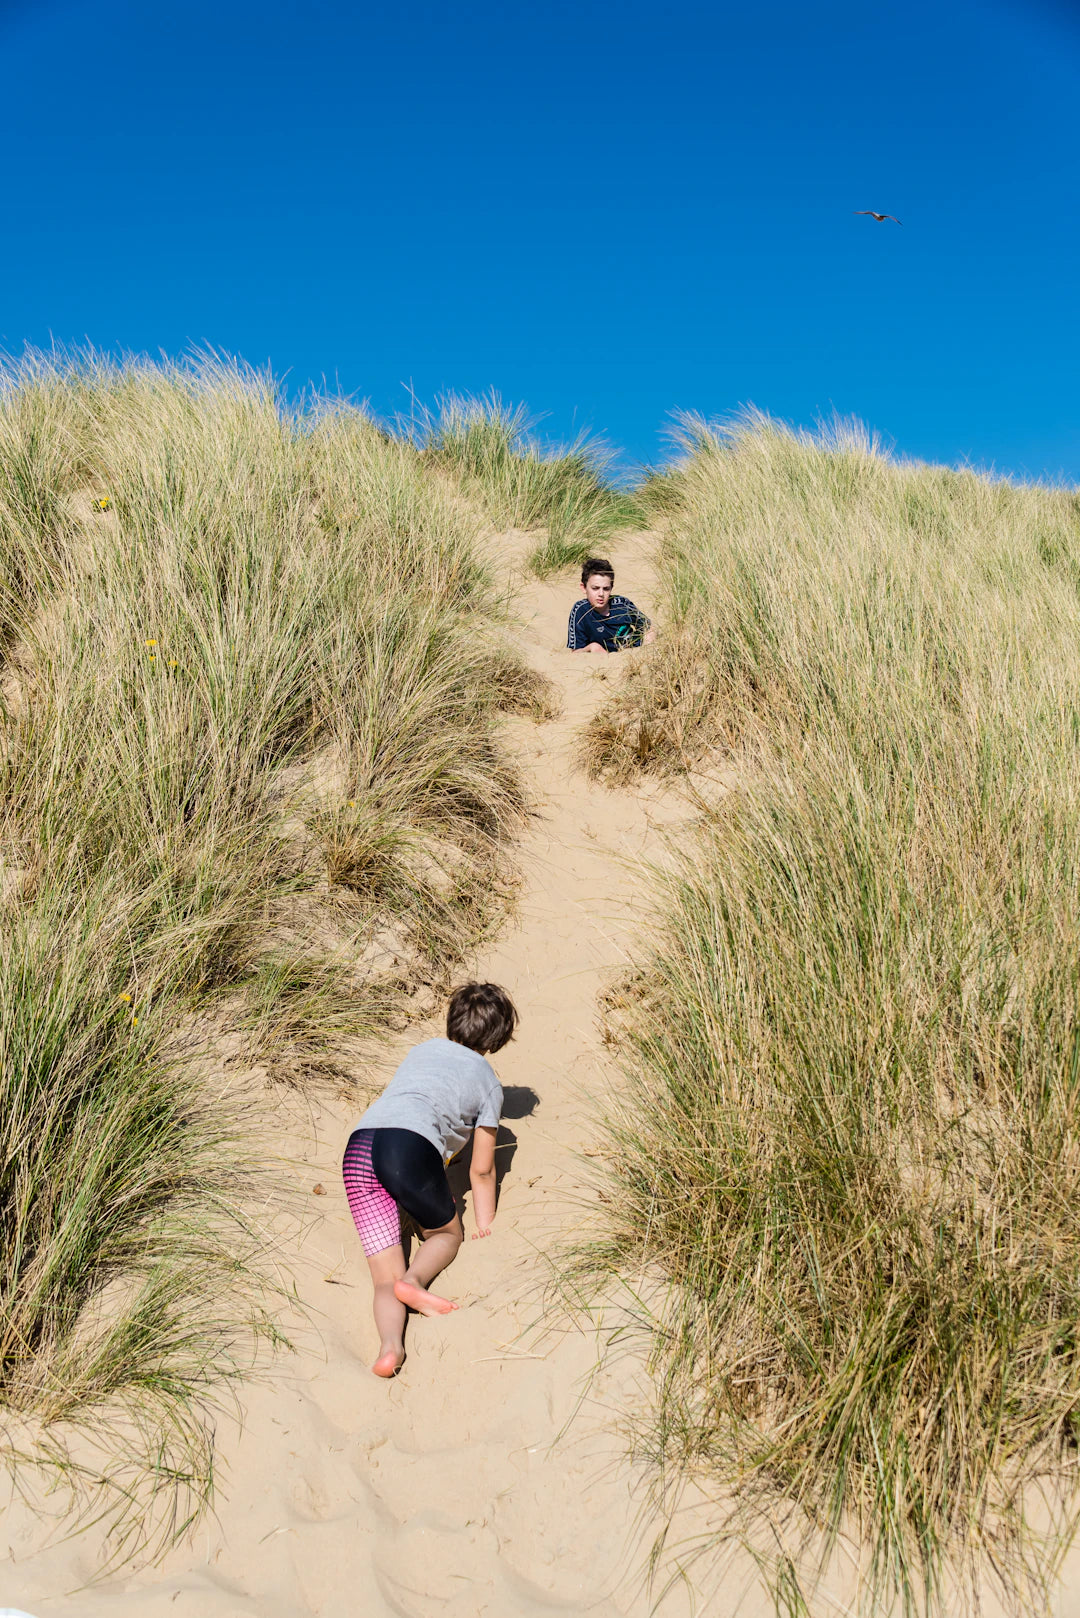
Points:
[(597, 564), (481, 1016)]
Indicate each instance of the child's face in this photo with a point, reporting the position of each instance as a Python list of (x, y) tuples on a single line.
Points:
[(598, 588)]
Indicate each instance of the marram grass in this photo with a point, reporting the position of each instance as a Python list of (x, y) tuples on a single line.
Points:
[(250, 779), (850, 1137), (489, 449)]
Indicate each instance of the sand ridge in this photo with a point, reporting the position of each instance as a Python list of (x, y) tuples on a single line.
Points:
[(489, 1477)]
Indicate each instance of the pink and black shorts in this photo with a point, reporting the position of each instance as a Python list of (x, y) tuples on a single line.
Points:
[(387, 1170)]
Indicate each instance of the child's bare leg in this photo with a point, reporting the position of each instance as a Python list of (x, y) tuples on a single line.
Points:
[(387, 1268), (436, 1251)]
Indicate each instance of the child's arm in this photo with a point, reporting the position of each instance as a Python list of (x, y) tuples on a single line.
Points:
[(576, 639), (482, 1179)]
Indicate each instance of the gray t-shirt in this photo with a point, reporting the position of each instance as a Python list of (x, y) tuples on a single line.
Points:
[(443, 1091)]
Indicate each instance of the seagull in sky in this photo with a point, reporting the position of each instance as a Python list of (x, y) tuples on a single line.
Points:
[(878, 216)]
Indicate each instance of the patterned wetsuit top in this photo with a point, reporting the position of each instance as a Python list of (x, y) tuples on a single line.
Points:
[(624, 625)]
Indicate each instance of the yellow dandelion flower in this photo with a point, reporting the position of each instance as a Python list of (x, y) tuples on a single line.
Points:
[(149, 642), (173, 664), (352, 803), (134, 1022), (126, 998)]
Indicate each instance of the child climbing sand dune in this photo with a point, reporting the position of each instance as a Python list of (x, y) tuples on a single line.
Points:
[(444, 1092)]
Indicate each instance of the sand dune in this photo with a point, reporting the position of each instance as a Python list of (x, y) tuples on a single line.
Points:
[(481, 1480), (490, 1477)]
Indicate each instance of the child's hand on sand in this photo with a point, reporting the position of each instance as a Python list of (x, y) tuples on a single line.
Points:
[(478, 1235)]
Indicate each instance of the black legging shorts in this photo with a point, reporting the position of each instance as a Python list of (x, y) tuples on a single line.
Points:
[(411, 1169)]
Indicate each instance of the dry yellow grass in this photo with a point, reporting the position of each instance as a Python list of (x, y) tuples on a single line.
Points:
[(250, 775), (851, 1137)]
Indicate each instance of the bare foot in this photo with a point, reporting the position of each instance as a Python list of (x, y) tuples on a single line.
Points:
[(424, 1302), (389, 1362)]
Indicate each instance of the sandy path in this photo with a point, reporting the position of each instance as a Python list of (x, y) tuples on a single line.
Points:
[(444, 1492)]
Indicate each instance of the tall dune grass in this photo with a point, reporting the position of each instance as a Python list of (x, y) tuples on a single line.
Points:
[(851, 1136), (490, 449), (249, 778)]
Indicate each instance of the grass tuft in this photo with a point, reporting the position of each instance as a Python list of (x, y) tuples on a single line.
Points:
[(851, 1134), (250, 784), (490, 450)]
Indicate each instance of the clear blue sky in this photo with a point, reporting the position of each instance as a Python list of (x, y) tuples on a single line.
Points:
[(608, 210)]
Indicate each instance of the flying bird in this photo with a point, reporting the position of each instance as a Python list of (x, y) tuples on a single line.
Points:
[(878, 216)]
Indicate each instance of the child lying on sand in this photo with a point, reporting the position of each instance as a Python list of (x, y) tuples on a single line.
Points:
[(443, 1092), (604, 622)]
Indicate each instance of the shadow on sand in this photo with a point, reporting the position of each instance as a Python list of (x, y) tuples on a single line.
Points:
[(519, 1101)]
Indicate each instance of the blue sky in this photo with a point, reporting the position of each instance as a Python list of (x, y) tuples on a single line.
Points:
[(610, 211)]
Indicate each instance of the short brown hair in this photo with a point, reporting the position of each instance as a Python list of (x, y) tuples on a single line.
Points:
[(481, 1016), (597, 564)]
